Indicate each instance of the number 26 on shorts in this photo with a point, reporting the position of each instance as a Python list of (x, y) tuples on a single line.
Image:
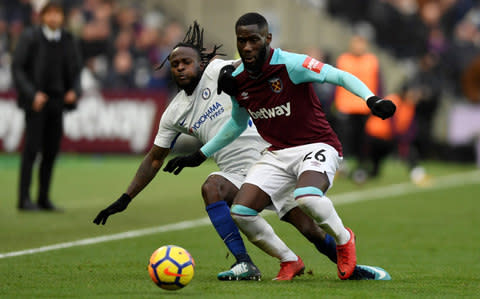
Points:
[(319, 156)]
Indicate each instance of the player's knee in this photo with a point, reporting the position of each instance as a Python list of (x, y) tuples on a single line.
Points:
[(210, 192), (241, 211), (250, 223), (242, 214), (304, 195)]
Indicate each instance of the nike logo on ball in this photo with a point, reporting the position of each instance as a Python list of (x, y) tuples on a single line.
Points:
[(167, 272)]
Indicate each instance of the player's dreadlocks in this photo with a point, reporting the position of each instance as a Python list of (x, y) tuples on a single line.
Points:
[(194, 39)]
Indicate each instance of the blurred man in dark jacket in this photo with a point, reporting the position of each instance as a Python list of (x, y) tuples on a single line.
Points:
[(46, 71)]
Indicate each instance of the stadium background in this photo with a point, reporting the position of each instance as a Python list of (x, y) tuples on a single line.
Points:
[(121, 41)]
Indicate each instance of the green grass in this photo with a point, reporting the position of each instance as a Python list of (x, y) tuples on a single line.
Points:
[(428, 241)]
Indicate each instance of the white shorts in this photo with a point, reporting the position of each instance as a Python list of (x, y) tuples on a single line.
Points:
[(277, 172), (285, 204)]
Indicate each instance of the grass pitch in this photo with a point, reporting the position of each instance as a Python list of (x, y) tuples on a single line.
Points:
[(426, 238)]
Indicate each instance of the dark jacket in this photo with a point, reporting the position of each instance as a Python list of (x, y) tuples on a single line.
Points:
[(29, 66)]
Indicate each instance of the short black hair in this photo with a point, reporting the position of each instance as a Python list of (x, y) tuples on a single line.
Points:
[(54, 4), (194, 39), (252, 18)]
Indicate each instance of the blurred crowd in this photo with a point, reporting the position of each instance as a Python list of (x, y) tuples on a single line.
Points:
[(120, 43), (438, 43), (440, 38)]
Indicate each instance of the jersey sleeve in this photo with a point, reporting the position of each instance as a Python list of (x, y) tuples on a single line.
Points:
[(233, 128), (347, 81), (166, 134), (302, 68)]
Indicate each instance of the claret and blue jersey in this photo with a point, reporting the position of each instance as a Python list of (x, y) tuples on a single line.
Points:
[(282, 103)]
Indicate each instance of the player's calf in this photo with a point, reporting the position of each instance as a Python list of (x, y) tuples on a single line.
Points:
[(260, 233)]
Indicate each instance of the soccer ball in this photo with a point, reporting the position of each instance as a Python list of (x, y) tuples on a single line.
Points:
[(171, 267)]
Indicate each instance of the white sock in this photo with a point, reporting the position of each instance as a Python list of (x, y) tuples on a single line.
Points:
[(321, 209), (260, 233)]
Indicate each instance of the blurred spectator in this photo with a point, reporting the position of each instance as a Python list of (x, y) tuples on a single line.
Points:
[(96, 31), (429, 83), (471, 80), (399, 27), (353, 11), (352, 112), (121, 75), (460, 54), (46, 69), (15, 16), (396, 135), (431, 16), (169, 37)]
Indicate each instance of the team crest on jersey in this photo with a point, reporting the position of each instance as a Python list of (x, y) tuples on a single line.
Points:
[(276, 84), (206, 93)]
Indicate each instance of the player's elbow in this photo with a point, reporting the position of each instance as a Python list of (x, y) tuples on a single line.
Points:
[(156, 164)]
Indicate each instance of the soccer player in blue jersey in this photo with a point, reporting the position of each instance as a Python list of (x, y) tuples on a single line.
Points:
[(274, 89)]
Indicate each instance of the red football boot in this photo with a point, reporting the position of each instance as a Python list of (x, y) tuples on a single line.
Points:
[(346, 257), (288, 270)]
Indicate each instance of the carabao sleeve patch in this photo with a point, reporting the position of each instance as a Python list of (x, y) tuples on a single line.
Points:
[(312, 64)]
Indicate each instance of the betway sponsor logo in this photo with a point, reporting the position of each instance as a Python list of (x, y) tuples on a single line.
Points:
[(127, 119), (266, 113), (212, 112)]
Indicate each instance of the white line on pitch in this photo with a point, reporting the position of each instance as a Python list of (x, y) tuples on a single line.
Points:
[(442, 182), (339, 199), (120, 236)]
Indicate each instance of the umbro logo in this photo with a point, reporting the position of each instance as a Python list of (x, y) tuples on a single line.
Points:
[(244, 95)]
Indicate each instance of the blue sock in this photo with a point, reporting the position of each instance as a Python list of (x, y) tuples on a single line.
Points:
[(219, 214), (328, 247)]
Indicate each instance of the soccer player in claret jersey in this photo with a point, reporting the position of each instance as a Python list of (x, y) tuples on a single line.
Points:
[(199, 110), (273, 87)]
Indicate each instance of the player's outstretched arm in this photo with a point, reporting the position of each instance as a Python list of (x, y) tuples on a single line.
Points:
[(302, 68), (146, 172), (382, 108)]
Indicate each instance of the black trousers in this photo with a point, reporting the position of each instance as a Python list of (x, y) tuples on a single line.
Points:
[(350, 129), (379, 149), (43, 134)]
